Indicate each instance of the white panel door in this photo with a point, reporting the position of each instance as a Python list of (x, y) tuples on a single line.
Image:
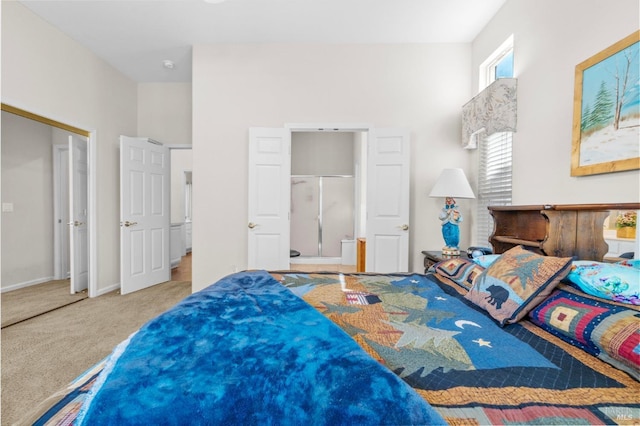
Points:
[(269, 198), (78, 206), (388, 201), (144, 214)]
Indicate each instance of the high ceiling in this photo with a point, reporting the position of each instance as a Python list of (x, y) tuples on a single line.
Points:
[(136, 36)]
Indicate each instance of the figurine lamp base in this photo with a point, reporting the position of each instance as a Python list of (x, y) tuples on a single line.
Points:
[(450, 251)]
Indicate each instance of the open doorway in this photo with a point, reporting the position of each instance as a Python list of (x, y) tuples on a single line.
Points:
[(327, 198), (181, 217)]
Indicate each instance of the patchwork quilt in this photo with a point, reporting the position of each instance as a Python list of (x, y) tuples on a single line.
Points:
[(280, 348), (460, 360)]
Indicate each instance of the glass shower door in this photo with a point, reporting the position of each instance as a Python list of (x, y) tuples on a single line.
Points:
[(322, 214), (305, 202), (337, 214)]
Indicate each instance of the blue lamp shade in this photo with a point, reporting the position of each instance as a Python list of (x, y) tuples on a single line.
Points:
[(451, 184)]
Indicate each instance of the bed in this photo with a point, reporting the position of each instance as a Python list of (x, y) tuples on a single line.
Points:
[(446, 347)]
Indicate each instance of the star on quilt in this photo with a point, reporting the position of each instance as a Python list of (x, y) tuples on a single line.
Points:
[(482, 342)]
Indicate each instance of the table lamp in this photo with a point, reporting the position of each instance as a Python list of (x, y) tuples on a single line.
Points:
[(451, 184)]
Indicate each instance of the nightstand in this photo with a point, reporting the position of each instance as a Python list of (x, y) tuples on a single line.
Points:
[(433, 257)]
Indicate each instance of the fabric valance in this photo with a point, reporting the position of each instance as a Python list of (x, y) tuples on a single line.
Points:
[(492, 110)]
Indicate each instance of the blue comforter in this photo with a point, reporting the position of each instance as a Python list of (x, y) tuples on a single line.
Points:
[(246, 350)]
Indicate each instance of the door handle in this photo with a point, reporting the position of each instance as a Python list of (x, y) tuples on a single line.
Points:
[(252, 225), (75, 223), (405, 227), (128, 224)]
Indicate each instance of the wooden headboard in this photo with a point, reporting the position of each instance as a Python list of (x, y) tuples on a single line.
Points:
[(561, 230)]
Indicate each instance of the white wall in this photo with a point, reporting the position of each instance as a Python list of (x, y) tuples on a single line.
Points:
[(164, 112), (47, 73), (27, 172), (550, 39), (237, 86)]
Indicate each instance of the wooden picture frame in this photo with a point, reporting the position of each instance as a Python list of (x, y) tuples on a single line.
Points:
[(606, 110)]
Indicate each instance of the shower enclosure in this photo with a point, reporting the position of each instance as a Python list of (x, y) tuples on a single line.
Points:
[(322, 214)]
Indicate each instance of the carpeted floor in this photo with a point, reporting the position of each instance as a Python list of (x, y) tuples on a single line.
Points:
[(44, 353), (25, 303)]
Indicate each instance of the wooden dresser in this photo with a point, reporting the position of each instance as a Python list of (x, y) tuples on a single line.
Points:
[(561, 230)]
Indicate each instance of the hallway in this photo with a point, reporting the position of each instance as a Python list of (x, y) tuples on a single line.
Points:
[(183, 271)]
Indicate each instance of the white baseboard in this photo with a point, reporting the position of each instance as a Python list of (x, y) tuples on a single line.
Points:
[(17, 286), (109, 289), (25, 284)]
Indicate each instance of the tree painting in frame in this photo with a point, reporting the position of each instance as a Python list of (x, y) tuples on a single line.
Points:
[(606, 111)]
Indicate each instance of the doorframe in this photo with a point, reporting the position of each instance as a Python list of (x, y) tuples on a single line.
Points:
[(359, 172), (90, 133), (328, 127)]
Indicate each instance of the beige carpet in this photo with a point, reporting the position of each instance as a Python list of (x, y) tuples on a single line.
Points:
[(45, 353), (28, 302)]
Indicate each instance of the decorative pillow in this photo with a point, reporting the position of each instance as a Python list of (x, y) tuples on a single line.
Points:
[(517, 282), (486, 260), (605, 330), (619, 282), (461, 271)]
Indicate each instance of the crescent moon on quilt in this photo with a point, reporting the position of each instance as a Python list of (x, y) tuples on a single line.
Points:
[(462, 323)]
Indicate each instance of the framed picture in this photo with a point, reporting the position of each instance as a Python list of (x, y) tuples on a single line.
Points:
[(606, 110)]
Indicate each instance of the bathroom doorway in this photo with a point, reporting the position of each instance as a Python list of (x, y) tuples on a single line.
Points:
[(381, 202), (325, 196)]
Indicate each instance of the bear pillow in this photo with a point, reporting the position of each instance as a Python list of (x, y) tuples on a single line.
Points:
[(516, 283)]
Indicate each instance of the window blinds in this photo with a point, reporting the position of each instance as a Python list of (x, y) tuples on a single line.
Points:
[(494, 181)]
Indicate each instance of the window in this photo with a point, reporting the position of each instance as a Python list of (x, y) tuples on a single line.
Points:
[(495, 151), (498, 65), (494, 180), (504, 68)]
